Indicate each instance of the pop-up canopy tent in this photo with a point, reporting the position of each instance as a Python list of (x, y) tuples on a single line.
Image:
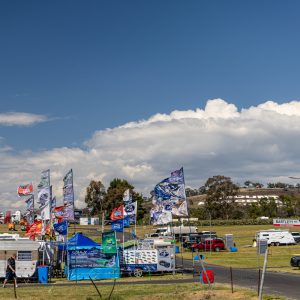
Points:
[(85, 260)]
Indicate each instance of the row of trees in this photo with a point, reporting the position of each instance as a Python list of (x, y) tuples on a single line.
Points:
[(220, 203), (99, 200), (267, 207)]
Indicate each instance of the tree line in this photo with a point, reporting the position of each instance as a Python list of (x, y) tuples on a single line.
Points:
[(101, 200), (220, 193)]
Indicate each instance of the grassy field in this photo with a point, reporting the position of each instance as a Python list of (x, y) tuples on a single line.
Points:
[(278, 259), (188, 291)]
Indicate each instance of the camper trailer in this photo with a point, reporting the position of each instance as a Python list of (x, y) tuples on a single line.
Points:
[(276, 237), (26, 251)]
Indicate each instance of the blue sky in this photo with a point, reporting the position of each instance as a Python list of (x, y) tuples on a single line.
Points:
[(97, 64), (71, 69)]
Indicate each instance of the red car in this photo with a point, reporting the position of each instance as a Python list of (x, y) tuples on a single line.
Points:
[(210, 245)]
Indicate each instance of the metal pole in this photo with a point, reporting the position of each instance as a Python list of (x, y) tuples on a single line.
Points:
[(204, 270), (258, 282), (231, 279), (263, 275)]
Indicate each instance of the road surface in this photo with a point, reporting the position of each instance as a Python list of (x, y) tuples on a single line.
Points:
[(281, 284)]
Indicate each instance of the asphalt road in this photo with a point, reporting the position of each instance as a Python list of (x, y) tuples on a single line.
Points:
[(281, 284)]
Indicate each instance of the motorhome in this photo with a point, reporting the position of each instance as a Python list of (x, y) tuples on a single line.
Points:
[(26, 251), (276, 237)]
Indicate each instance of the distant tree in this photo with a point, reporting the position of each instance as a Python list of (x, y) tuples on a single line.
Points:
[(191, 192), (95, 194), (114, 197), (268, 207), (202, 190), (279, 185), (253, 210), (220, 196), (248, 183)]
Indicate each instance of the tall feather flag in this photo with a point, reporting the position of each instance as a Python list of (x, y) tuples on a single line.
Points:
[(130, 207), (44, 195), (68, 194), (29, 214), (169, 199)]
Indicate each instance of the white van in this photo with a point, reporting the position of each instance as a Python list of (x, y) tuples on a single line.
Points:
[(276, 237)]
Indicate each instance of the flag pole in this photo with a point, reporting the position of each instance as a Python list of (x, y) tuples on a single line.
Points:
[(135, 235)]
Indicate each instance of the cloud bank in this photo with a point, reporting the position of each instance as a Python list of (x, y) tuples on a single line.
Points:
[(257, 143)]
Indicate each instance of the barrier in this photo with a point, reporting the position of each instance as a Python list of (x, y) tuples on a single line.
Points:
[(210, 275), (43, 274)]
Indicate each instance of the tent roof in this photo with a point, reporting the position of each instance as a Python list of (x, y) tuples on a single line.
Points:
[(79, 241)]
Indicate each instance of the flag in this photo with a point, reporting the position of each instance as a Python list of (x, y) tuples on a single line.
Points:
[(53, 203), (117, 213), (160, 218), (29, 217), (126, 221), (61, 228), (25, 190), (68, 179), (44, 196), (30, 203), (130, 208), (109, 243), (127, 196), (68, 194), (45, 179), (117, 225), (169, 197), (35, 228), (133, 234)]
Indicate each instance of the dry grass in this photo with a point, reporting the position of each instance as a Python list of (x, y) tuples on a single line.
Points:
[(190, 291)]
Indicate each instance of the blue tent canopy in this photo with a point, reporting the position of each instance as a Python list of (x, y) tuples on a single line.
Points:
[(86, 260), (79, 241)]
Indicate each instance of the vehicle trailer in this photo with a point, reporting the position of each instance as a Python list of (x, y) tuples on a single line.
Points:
[(26, 251), (276, 237), (151, 256)]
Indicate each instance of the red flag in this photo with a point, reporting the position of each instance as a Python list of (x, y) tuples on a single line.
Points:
[(25, 190), (117, 213), (34, 228)]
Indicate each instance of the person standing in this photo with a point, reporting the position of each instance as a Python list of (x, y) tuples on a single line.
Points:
[(11, 270)]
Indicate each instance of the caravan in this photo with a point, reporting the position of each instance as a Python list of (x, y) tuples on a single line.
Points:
[(26, 251), (276, 237)]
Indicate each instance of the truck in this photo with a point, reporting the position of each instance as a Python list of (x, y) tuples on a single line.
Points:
[(176, 231), (209, 245), (276, 237)]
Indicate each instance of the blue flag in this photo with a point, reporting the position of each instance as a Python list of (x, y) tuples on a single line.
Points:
[(117, 226), (61, 228)]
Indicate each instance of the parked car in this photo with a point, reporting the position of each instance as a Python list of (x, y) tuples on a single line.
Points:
[(296, 236), (209, 245), (295, 261), (196, 238)]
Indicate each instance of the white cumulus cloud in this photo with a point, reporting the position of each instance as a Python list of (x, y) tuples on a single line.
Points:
[(257, 143), (21, 119)]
